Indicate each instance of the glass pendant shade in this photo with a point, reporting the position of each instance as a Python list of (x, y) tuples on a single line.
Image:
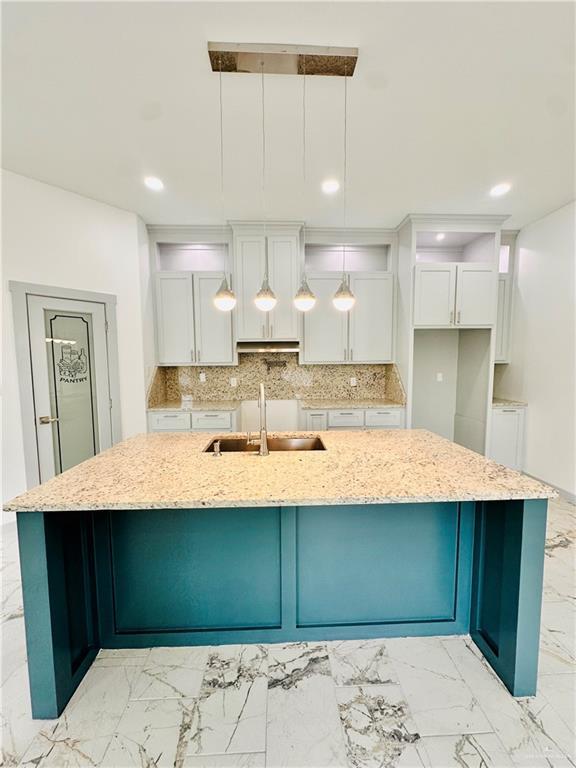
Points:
[(224, 299), (344, 299), (265, 299), (304, 299)]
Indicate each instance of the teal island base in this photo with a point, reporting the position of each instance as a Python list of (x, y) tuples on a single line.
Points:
[(159, 577)]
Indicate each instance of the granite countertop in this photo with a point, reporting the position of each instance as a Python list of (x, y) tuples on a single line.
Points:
[(170, 471), (500, 402), (198, 405), (328, 405)]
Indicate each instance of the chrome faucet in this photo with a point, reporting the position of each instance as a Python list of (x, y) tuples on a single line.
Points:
[(263, 433)]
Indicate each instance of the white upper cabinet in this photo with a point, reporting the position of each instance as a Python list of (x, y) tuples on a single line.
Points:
[(190, 330), (434, 294), (247, 279), (175, 318), (476, 288), (502, 320), (213, 328), (454, 295), (325, 328), (284, 264), (371, 319), (284, 270), (363, 335)]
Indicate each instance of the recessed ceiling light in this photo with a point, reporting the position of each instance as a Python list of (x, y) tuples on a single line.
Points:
[(500, 189), (153, 182), (440, 236), (330, 186)]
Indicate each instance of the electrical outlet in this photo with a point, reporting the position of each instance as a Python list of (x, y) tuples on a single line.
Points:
[(353, 382), (439, 377), (233, 381), (202, 377)]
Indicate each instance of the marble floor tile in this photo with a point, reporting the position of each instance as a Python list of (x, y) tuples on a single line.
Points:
[(230, 712), (303, 721), (18, 729), (11, 605), (470, 750), (560, 692), (151, 733), (439, 699), (252, 760), (13, 643), (123, 657), (85, 728), (525, 739), (377, 724), (170, 673), (360, 662)]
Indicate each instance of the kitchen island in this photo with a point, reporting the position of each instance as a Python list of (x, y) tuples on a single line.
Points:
[(156, 542)]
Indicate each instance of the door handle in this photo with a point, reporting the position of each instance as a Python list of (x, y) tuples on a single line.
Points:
[(47, 419)]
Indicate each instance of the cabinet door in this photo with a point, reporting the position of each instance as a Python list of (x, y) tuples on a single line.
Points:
[(506, 442), (213, 328), (175, 318), (325, 328), (502, 321), (372, 318), (434, 294), (476, 289), (316, 420), (284, 269), (251, 323)]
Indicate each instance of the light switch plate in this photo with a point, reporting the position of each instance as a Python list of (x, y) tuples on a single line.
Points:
[(233, 381), (202, 377), (353, 382), (439, 377)]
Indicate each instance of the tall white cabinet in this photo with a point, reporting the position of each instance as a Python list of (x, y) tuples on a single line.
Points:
[(190, 330), (285, 263)]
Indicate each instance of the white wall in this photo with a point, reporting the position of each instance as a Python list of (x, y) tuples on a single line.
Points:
[(53, 237), (542, 352)]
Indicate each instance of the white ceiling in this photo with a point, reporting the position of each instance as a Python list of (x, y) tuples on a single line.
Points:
[(447, 100)]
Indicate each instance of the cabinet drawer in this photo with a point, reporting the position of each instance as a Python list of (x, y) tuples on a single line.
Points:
[(385, 418), (317, 420), (212, 420), (351, 419), (169, 421)]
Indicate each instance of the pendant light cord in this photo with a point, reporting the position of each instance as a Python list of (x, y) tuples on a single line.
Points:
[(345, 170), (264, 211), (304, 155), (222, 155)]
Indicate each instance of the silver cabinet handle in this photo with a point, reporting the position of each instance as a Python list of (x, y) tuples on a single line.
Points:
[(170, 415), (210, 415), (345, 413), (193, 355), (452, 317), (345, 354), (509, 410), (458, 320), (198, 355), (263, 331), (47, 419), (351, 354), (271, 331)]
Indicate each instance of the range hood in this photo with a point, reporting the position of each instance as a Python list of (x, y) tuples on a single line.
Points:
[(267, 347)]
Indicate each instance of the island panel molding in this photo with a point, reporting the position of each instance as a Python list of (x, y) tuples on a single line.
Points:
[(269, 575)]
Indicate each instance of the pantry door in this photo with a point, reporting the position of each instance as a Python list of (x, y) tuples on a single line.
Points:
[(70, 380)]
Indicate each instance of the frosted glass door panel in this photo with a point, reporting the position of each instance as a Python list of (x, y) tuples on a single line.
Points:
[(70, 377), (72, 384)]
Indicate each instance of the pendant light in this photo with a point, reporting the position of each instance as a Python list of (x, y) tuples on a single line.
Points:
[(344, 299), (224, 299), (265, 300), (304, 299)]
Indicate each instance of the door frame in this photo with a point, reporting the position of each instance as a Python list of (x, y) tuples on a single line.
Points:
[(20, 292)]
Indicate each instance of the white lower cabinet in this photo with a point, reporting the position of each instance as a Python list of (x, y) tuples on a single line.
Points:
[(195, 421), (507, 437), (353, 418)]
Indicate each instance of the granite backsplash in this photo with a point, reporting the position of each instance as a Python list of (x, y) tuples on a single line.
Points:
[(283, 378)]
